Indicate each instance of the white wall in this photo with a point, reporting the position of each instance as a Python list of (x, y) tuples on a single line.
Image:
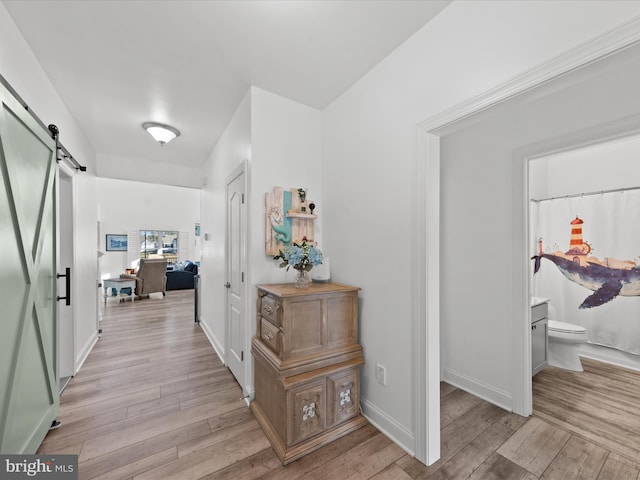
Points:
[(124, 168), (604, 166), (231, 150), (281, 139), (20, 68), (286, 143), (128, 206), (369, 154)]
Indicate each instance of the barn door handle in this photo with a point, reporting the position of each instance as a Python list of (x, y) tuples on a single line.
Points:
[(67, 282)]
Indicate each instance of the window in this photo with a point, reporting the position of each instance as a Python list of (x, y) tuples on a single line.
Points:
[(157, 242)]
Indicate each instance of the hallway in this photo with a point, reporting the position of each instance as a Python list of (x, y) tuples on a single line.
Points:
[(152, 383), (153, 401)]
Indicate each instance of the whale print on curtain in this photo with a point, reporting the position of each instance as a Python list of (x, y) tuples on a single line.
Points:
[(594, 242)]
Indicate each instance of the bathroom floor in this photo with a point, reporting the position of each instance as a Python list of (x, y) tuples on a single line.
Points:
[(600, 405), (576, 431)]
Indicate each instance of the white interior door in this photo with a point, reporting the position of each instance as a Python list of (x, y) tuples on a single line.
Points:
[(236, 248), (29, 398), (66, 316)]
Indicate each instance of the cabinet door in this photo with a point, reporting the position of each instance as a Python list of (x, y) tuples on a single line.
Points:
[(308, 406), (539, 345), (343, 396)]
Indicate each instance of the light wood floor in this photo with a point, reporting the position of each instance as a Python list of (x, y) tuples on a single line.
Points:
[(153, 401)]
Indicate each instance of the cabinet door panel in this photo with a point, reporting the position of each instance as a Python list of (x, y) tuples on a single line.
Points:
[(341, 320), (308, 403), (305, 328), (342, 396)]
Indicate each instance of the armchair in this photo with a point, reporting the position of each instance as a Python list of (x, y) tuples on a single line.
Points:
[(151, 276)]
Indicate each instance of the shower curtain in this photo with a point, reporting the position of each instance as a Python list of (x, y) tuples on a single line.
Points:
[(610, 232)]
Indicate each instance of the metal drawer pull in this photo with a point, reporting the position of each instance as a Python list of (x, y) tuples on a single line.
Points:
[(268, 309), (267, 335)]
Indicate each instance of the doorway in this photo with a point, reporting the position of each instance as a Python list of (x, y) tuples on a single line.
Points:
[(609, 113), (236, 298), (67, 340)]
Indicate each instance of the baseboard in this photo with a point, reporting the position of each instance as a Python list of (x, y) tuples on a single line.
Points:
[(387, 425), (213, 340), (486, 392), (86, 350), (610, 355)]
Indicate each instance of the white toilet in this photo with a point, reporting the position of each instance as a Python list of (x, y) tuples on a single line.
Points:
[(564, 339)]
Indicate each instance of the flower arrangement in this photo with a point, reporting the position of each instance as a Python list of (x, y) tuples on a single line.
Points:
[(299, 256)]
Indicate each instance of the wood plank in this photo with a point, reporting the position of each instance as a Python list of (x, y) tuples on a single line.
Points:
[(534, 446), (578, 460), (392, 472), (467, 460), (616, 470), (599, 404), (149, 447), (497, 468)]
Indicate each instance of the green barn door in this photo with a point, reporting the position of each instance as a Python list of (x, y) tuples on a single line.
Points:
[(29, 397)]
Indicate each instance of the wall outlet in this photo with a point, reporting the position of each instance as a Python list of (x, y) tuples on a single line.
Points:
[(381, 374)]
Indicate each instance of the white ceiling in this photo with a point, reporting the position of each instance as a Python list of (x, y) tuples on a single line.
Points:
[(117, 64)]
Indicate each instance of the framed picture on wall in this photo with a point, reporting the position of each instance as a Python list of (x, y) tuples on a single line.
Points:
[(116, 243)]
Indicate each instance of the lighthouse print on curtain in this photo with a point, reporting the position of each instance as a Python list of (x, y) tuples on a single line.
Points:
[(607, 278)]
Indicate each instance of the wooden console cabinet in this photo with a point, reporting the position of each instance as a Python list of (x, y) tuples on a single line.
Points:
[(307, 366)]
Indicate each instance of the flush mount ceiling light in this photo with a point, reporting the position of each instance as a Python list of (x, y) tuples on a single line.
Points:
[(161, 132)]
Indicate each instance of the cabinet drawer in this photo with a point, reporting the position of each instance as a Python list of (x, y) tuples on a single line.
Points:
[(539, 312), (270, 308), (270, 335), (343, 396), (308, 407)]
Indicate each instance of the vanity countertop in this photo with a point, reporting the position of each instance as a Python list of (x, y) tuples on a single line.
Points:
[(535, 301)]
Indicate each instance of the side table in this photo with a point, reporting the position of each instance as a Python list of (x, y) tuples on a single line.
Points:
[(119, 284)]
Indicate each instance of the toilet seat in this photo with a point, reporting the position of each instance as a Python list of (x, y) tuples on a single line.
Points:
[(563, 327)]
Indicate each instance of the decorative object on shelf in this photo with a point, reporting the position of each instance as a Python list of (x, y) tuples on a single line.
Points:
[(303, 279), (285, 222), (322, 273), (303, 257), (302, 193), (312, 207)]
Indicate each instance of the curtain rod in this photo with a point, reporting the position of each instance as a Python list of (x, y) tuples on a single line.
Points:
[(52, 129), (599, 192)]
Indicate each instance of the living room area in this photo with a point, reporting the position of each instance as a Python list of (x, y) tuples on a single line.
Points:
[(148, 238)]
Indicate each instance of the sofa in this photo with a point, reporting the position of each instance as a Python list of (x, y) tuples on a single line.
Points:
[(182, 276)]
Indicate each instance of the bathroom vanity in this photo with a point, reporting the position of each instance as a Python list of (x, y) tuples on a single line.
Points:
[(539, 334)]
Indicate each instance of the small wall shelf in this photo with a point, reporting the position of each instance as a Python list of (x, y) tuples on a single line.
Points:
[(301, 215)]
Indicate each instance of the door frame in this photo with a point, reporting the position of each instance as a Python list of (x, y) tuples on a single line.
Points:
[(241, 169), (68, 171), (425, 289)]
